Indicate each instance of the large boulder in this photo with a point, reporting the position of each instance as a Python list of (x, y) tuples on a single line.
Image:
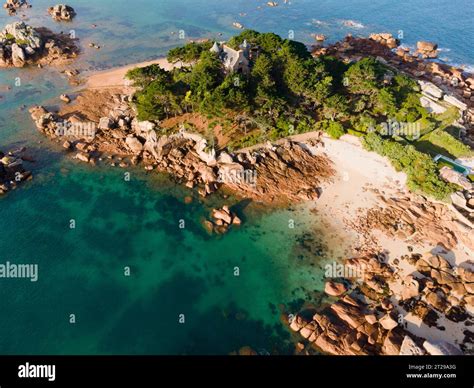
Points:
[(225, 158), (449, 175), (386, 39), (387, 322), (392, 344), (352, 315), (105, 123), (297, 323), (466, 272), (427, 49), (18, 56), (222, 214), (24, 33), (334, 288), (436, 299), (443, 277), (409, 348), (83, 157), (13, 5), (411, 288), (134, 144)]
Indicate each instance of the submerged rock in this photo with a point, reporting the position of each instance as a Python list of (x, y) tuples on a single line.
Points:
[(222, 220), (12, 171)]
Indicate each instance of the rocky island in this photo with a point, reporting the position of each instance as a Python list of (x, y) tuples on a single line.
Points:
[(12, 6), (347, 128), (22, 45), (12, 171), (62, 12)]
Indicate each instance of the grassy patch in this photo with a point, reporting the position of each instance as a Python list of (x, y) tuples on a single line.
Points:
[(441, 142)]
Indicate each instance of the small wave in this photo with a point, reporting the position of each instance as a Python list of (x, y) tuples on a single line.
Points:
[(408, 46), (444, 49), (445, 59), (352, 24), (468, 68), (318, 22)]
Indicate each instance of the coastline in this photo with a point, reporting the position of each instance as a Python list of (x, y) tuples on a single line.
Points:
[(362, 181), (115, 77)]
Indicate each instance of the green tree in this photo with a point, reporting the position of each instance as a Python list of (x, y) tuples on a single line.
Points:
[(335, 106), (205, 76), (142, 76), (385, 103), (364, 76), (191, 52)]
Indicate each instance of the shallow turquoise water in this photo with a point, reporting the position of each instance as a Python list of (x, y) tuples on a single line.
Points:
[(136, 224), (173, 271)]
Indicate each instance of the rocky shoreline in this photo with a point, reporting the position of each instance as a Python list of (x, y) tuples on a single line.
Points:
[(417, 220), (22, 45), (277, 174), (374, 312)]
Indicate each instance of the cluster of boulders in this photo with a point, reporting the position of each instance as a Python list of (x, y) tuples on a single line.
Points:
[(415, 219), (353, 325), (443, 287), (463, 202), (62, 12), (18, 41), (12, 171), (21, 44), (282, 172), (371, 312), (385, 39), (457, 84), (427, 49), (12, 6), (221, 220)]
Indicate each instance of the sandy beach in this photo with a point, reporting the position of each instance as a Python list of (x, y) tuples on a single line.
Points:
[(115, 78)]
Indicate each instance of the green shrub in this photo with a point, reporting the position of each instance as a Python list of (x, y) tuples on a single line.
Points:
[(332, 128), (422, 172)]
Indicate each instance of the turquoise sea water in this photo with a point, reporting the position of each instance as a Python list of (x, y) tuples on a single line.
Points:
[(136, 224)]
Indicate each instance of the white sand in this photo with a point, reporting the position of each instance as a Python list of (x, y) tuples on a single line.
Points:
[(357, 170), (116, 77)]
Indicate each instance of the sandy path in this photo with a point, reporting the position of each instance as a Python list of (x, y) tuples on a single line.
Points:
[(116, 77)]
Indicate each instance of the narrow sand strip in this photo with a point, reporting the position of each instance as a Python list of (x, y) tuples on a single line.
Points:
[(115, 77)]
